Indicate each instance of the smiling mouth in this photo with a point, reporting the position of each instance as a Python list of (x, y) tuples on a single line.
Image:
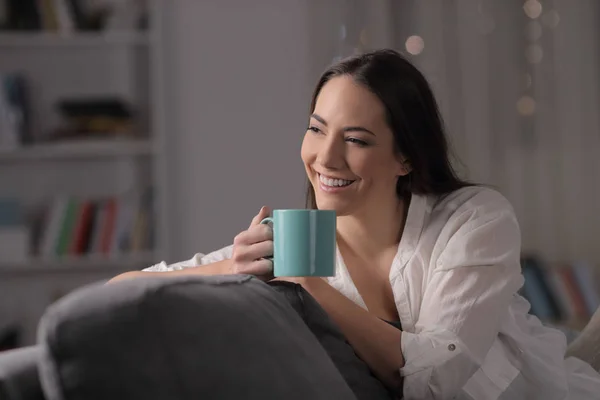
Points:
[(334, 182)]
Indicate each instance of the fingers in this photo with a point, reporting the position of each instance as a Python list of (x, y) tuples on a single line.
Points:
[(262, 214), (254, 251), (254, 234), (260, 268)]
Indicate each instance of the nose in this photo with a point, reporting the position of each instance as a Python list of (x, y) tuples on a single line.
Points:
[(331, 153)]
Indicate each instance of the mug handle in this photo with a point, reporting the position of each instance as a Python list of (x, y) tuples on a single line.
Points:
[(266, 221)]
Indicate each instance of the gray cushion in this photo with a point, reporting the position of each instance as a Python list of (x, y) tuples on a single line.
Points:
[(355, 371), (19, 375), (182, 338)]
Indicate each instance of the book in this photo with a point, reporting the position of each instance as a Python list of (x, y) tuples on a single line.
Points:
[(109, 224), (11, 212), (585, 279), (54, 216), (536, 291), (95, 242), (574, 291), (82, 226), (14, 110), (67, 227), (561, 294)]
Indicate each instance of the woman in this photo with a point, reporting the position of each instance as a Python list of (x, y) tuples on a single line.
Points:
[(416, 246)]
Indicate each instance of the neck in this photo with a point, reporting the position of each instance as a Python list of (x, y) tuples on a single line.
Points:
[(370, 233)]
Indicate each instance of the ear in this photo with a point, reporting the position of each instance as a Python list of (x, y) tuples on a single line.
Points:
[(404, 166)]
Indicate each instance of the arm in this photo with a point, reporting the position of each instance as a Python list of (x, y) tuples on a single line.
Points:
[(245, 256), (222, 267), (374, 340)]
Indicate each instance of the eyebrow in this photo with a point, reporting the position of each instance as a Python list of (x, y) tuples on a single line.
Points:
[(345, 129)]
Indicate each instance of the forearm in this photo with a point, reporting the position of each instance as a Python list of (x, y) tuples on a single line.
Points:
[(374, 340), (216, 268)]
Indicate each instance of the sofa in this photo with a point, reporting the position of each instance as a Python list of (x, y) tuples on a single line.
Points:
[(225, 337)]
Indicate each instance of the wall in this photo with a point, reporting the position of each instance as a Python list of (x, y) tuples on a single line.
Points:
[(237, 98)]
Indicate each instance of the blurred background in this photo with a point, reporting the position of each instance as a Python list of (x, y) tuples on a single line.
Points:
[(137, 131)]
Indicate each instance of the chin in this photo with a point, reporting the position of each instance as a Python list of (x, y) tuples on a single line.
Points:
[(339, 208)]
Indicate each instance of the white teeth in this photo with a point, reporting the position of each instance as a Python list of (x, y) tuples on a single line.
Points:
[(334, 182)]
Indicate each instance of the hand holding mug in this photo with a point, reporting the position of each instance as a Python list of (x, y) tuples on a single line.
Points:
[(253, 248)]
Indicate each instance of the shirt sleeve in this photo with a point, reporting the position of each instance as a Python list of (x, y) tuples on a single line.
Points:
[(196, 260), (466, 296)]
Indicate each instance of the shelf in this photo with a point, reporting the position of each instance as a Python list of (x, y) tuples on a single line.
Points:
[(75, 149), (95, 263), (48, 39)]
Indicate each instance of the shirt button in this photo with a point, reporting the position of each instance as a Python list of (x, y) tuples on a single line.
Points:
[(451, 347)]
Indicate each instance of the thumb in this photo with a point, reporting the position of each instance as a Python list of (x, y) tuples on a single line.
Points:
[(262, 214)]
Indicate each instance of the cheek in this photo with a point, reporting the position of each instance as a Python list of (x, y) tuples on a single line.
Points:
[(372, 167), (362, 163), (307, 152)]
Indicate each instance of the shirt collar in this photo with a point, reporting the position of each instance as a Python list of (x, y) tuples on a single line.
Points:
[(413, 227)]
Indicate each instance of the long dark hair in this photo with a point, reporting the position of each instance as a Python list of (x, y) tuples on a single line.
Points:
[(412, 114)]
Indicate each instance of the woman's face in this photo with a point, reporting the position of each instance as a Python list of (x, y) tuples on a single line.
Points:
[(348, 150)]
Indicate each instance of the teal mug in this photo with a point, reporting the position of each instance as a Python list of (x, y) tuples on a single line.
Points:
[(303, 242)]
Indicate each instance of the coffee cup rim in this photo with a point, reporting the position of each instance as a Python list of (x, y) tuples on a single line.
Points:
[(279, 210)]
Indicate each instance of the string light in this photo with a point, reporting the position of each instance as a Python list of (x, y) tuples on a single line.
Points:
[(551, 18), (532, 8), (526, 105), (415, 45), (534, 54)]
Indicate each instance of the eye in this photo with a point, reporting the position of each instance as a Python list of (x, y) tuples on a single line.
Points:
[(314, 129), (356, 141)]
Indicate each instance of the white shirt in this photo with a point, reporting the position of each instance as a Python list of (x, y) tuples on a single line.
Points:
[(466, 333)]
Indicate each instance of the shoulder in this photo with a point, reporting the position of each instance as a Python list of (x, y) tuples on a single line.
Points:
[(475, 224), (471, 205)]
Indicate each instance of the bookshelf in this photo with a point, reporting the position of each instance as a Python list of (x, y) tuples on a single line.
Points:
[(86, 149), (100, 167)]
